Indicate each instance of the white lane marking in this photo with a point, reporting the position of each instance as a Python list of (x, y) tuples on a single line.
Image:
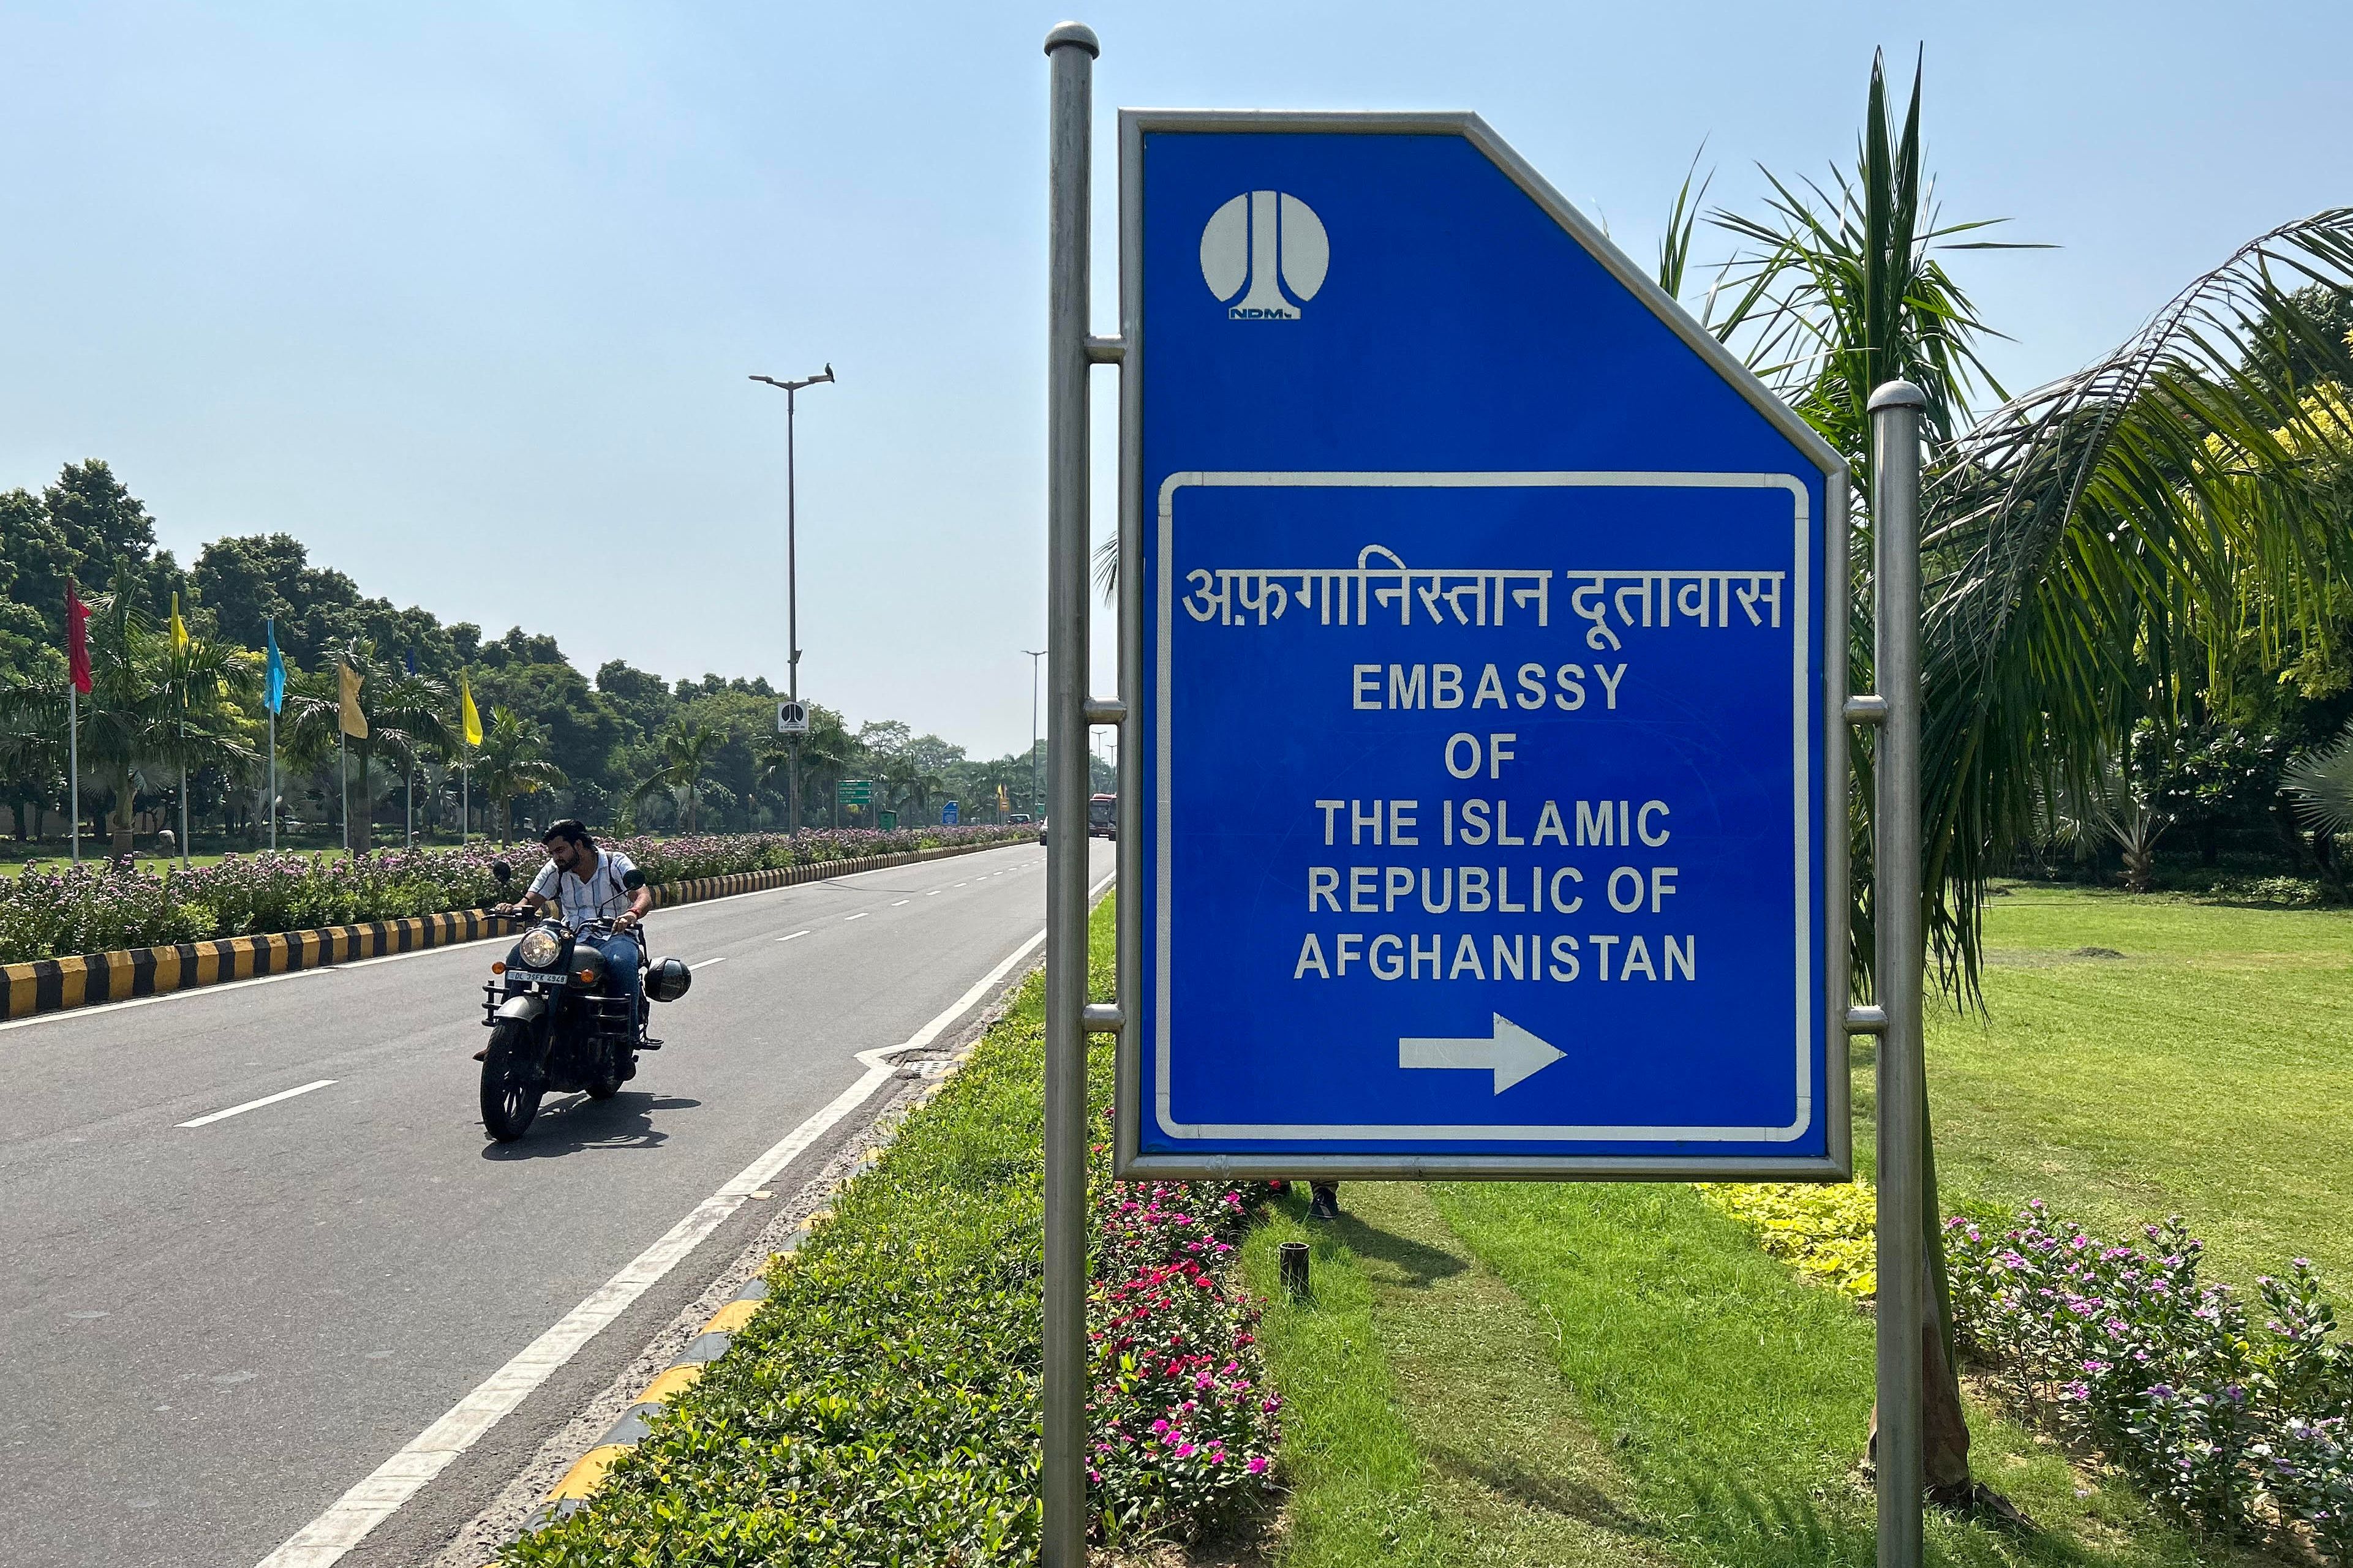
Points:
[(378, 1496), (256, 1104), (964, 884), (709, 963), (858, 916), (896, 902), (933, 894), (69, 1014), (790, 938)]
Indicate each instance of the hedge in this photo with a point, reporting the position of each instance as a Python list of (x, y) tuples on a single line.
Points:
[(51, 912)]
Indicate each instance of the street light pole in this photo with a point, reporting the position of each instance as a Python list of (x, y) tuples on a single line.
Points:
[(1035, 655), (792, 579)]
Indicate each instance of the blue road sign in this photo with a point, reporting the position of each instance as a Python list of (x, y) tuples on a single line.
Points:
[(1487, 658), (948, 814)]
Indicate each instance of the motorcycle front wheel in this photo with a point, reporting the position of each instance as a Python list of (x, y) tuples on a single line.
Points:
[(511, 1088)]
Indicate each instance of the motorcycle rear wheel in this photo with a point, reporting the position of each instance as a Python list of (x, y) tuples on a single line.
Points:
[(511, 1088)]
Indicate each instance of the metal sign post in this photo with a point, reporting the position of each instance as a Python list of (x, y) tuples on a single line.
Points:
[(1071, 49), (1900, 956)]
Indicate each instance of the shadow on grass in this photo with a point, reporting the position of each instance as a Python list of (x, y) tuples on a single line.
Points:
[(1798, 1530), (1551, 1494), (1417, 1266)]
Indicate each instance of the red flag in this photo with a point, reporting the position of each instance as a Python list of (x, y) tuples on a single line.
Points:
[(76, 639)]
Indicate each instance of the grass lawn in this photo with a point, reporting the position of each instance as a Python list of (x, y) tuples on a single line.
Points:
[(1525, 1374), (2208, 1073)]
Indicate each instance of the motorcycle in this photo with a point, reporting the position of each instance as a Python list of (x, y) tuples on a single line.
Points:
[(559, 1020)]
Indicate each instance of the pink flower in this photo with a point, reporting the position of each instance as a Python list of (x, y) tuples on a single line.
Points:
[(1258, 1464)]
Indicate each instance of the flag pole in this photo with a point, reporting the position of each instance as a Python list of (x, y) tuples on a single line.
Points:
[(343, 748), (73, 764), (272, 802), (465, 791)]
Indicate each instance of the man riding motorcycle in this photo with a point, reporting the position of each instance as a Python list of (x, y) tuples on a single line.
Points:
[(586, 884)]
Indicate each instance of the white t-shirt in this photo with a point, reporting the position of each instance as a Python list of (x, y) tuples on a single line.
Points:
[(600, 897)]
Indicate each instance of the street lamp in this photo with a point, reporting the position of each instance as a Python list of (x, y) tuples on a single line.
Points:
[(1035, 788), (792, 581)]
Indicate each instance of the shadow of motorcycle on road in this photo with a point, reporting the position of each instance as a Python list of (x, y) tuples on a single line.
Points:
[(581, 1125)]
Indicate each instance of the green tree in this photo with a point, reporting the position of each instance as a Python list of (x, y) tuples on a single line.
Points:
[(685, 750), (512, 762)]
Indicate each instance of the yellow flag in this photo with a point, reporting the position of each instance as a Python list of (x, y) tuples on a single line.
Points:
[(179, 628), (351, 721), (1002, 803), (470, 720)]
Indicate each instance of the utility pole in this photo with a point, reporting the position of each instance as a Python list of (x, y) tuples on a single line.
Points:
[(792, 579), (1036, 789)]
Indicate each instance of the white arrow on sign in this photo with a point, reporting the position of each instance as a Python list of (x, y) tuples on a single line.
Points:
[(1512, 1054)]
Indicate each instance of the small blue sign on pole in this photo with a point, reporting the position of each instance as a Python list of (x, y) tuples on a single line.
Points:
[(948, 814), (1490, 670)]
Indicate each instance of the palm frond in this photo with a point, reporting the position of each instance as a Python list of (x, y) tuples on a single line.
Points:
[(2087, 543), (2320, 784), (1683, 218)]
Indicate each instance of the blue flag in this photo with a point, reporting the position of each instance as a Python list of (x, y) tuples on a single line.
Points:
[(275, 694), (410, 660)]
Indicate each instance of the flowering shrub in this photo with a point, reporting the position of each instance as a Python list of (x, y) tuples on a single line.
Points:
[(2127, 1348), (1825, 1233), (97, 907), (1181, 1424)]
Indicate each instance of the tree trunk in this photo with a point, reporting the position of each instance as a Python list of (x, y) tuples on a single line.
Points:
[(1945, 1428), (124, 807), (362, 809)]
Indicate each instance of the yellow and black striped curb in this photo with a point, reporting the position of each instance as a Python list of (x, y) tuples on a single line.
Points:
[(587, 1473), (56, 985)]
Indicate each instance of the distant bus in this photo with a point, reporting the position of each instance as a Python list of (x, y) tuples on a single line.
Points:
[(1102, 816)]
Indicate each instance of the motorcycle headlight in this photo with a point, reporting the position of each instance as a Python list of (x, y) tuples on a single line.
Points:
[(540, 948)]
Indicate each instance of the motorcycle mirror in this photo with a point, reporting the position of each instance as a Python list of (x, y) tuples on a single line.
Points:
[(633, 878), (501, 872)]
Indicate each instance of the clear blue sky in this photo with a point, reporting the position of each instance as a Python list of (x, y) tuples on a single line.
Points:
[(449, 290)]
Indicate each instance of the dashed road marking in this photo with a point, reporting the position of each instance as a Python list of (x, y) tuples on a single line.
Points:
[(896, 902), (256, 1104), (794, 934), (858, 916)]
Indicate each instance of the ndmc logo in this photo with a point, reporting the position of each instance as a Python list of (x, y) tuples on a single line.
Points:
[(1274, 243)]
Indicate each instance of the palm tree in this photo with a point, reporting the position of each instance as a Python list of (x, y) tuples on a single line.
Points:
[(512, 761), (686, 749), (33, 746), (403, 713), (2095, 539), (152, 709)]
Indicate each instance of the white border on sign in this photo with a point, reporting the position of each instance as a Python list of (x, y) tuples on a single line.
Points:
[(1805, 1003)]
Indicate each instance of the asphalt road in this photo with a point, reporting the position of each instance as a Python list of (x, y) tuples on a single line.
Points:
[(208, 1333)]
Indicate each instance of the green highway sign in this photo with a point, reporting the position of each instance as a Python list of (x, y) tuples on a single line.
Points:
[(857, 792)]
